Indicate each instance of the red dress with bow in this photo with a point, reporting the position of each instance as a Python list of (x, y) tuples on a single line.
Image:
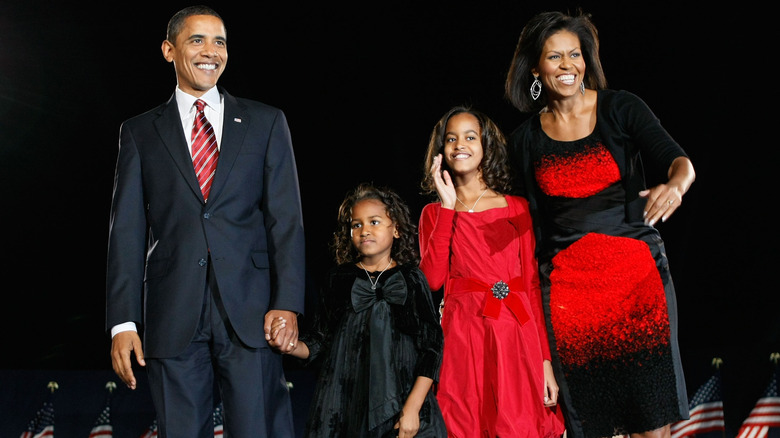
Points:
[(491, 380)]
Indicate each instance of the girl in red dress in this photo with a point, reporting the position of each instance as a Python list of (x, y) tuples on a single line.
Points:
[(477, 243)]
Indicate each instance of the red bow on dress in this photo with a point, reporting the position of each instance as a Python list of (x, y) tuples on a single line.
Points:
[(497, 294)]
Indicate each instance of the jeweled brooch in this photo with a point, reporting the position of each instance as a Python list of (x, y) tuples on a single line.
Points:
[(500, 290)]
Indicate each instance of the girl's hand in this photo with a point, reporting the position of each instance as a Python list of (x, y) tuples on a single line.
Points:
[(281, 335), (443, 182), (276, 325), (408, 424), (550, 385)]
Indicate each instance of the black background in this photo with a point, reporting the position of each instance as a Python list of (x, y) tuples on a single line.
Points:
[(362, 85)]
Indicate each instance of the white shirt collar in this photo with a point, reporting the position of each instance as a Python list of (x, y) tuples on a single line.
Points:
[(186, 101)]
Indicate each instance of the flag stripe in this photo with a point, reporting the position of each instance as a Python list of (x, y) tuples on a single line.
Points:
[(103, 431), (753, 432), (705, 411), (765, 414), (47, 431), (43, 423)]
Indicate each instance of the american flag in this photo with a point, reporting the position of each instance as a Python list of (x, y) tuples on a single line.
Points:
[(151, 432), (43, 423), (218, 421), (706, 409), (102, 427), (766, 412)]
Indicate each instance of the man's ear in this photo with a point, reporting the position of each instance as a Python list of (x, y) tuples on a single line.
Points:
[(167, 50)]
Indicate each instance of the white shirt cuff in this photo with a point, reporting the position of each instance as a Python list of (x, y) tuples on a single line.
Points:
[(125, 326)]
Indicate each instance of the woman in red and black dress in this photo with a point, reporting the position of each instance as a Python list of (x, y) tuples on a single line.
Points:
[(607, 291)]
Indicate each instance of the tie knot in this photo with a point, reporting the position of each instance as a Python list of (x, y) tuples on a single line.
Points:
[(199, 105)]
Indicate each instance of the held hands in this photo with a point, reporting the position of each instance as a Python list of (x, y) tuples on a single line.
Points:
[(122, 347), (281, 330), (443, 182)]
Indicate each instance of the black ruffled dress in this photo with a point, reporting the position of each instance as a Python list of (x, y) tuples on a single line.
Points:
[(371, 346)]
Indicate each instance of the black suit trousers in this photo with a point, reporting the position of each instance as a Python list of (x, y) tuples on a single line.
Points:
[(251, 383)]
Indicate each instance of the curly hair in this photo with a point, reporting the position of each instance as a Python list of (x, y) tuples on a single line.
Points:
[(494, 166), (404, 247)]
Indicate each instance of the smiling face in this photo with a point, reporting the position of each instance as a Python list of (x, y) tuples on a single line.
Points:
[(199, 54), (463, 144), (372, 231), (561, 67)]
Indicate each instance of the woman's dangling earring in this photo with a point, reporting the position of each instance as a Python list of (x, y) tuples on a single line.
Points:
[(582, 88), (536, 88)]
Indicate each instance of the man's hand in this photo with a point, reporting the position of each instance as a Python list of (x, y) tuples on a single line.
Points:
[(284, 336), (122, 347)]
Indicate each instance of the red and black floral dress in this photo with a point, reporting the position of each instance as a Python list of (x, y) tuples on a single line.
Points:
[(607, 292)]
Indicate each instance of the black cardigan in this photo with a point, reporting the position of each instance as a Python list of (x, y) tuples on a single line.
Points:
[(630, 132)]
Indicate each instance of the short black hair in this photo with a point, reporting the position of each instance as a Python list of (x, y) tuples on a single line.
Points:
[(176, 22)]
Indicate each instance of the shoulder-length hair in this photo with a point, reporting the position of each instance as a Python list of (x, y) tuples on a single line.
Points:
[(494, 166), (528, 52)]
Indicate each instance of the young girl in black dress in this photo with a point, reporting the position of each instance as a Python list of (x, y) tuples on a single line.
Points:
[(376, 330)]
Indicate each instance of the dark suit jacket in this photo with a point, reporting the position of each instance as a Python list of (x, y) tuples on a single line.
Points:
[(161, 231)]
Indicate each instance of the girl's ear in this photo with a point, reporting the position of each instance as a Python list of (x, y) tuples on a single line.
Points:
[(395, 232)]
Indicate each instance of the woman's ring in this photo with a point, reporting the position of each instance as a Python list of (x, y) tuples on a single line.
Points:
[(291, 344), (670, 202)]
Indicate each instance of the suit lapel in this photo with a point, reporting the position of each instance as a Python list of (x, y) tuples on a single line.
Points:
[(169, 128), (234, 127)]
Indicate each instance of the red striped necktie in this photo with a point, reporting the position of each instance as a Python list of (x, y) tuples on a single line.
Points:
[(204, 149)]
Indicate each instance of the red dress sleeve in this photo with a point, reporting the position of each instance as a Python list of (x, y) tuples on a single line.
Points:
[(435, 232)]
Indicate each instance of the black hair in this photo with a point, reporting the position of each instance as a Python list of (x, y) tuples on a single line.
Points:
[(176, 23), (494, 165), (529, 51), (404, 249)]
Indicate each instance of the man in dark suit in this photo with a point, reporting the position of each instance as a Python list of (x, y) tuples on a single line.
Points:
[(203, 273)]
